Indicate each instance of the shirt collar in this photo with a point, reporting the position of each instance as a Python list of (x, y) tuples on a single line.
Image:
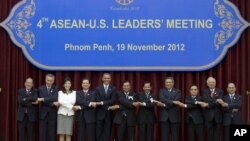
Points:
[(232, 94), (85, 91), (105, 85)]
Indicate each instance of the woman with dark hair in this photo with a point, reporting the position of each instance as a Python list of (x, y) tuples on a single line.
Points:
[(66, 99)]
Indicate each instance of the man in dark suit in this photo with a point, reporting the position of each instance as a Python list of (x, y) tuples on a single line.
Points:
[(105, 97), (125, 117), (194, 117), (212, 111), (170, 111), (27, 112), (146, 114), (85, 115), (231, 104), (48, 96)]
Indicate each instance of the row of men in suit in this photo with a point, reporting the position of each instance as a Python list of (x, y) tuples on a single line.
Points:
[(94, 110), (90, 114), (91, 110)]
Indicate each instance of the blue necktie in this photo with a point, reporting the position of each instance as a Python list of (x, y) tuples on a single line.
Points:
[(106, 89)]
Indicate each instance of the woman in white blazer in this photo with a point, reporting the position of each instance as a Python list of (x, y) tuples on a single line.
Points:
[(66, 100)]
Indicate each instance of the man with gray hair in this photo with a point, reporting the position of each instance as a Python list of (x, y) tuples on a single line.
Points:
[(48, 95), (212, 109), (231, 104)]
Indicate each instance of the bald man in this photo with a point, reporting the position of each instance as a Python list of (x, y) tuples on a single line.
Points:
[(27, 113), (231, 104), (212, 109)]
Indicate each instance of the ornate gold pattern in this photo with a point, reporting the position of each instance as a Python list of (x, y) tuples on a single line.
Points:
[(20, 24), (228, 24)]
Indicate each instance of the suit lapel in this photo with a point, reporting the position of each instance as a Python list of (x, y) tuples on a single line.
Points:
[(109, 90), (103, 91)]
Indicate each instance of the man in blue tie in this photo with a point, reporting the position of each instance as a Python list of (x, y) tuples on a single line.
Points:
[(105, 96), (170, 110), (48, 95)]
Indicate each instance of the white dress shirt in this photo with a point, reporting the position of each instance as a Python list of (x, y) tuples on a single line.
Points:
[(67, 101)]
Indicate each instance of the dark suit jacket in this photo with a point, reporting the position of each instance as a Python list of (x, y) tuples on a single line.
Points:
[(126, 109), (193, 110), (146, 113), (171, 111), (47, 106), (108, 100), (228, 114), (86, 112), (214, 109), (25, 103)]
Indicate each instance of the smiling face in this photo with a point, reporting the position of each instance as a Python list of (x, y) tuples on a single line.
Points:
[(126, 87), (85, 84), (67, 85), (147, 87), (106, 78)]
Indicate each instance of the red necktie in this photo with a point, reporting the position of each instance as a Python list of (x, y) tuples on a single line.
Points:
[(212, 93)]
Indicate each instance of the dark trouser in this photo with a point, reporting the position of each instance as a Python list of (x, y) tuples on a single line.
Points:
[(213, 131), (227, 128), (165, 129), (121, 128), (90, 127), (26, 129), (194, 128), (103, 128), (146, 132), (47, 129)]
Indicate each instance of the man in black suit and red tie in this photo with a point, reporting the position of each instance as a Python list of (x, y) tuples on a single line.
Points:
[(125, 117), (105, 97), (146, 114), (194, 116), (212, 110), (170, 110), (231, 104), (85, 112), (48, 96), (27, 111)]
